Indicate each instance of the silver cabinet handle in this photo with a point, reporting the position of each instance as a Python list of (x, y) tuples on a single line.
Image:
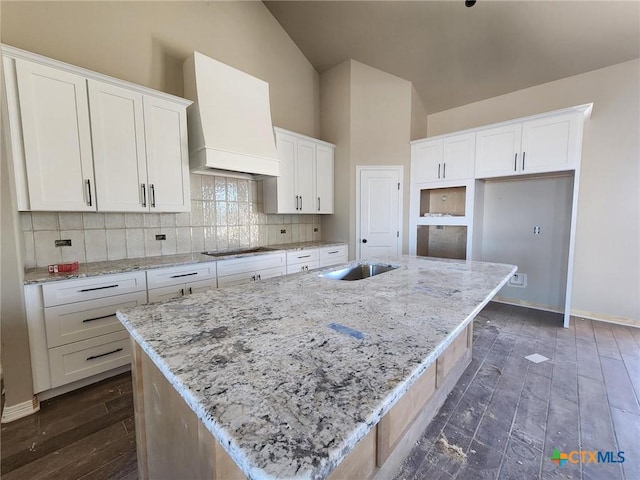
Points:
[(438, 170), (297, 202), (259, 277), (318, 203), (300, 202), (444, 170), (190, 290), (182, 292), (523, 155), (144, 194), (153, 195), (253, 278), (88, 182), (515, 163), (304, 256)]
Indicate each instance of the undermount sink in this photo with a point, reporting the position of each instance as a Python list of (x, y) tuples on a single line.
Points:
[(238, 252), (359, 271)]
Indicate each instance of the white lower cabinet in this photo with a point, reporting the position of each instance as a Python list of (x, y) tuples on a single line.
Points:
[(83, 359), (251, 269), (333, 255), (303, 260), (174, 282), (73, 331)]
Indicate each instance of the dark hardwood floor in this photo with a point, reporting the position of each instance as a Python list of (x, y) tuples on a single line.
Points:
[(87, 434), (506, 414)]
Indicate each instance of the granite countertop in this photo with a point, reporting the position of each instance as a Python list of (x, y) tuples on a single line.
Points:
[(287, 395), (93, 269)]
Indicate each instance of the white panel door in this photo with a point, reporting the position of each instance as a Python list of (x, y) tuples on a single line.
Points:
[(379, 213), (305, 176), (426, 161), (458, 157), (165, 125), (546, 144), (324, 179), (286, 145), (498, 151), (57, 139), (120, 160)]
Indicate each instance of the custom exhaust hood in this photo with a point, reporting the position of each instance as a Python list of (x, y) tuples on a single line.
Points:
[(229, 122)]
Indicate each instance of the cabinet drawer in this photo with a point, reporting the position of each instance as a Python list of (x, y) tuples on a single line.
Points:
[(302, 267), (71, 291), (176, 291), (333, 255), (163, 277), (79, 321), (250, 264), (82, 359), (303, 256), (248, 277)]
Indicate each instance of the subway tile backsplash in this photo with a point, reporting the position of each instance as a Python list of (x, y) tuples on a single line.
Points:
[(225, 213)]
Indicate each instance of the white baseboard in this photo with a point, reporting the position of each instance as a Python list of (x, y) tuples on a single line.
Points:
[(54, 392), (599, 317), (14, 412)]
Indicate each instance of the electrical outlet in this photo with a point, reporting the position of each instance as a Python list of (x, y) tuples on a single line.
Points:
[(161, 236), (283, 231), (63, 243), (315, 229), (536, 230), (518, 280)]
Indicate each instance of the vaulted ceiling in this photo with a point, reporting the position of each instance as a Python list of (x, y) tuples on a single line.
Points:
[(456, 55)]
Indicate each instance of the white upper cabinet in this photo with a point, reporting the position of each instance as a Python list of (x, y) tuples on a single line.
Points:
[(324, 178), (547, 144), (56, 138), (65, 121), (119, 150), (305, 184), (165, 127), (443, 159)]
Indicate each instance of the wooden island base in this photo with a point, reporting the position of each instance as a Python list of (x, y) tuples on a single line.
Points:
[(173, 443)]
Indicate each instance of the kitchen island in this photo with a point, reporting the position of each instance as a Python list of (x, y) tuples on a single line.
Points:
[(302, 376)]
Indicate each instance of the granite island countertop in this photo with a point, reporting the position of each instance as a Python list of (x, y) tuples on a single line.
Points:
[(94, 269), (284, 393)]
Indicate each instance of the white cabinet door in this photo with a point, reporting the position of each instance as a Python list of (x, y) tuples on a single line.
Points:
[(458, 157), (285, 184), (165, 127), (305, 176), (547, 144), (271, 272), (119, 155), (324, 179), (426, 160), (498, 151), (57, 140)]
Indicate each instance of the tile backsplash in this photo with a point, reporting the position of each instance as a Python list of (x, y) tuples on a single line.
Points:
[(225, 213)]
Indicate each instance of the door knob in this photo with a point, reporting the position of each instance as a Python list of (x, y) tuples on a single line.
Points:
[(364, 240)]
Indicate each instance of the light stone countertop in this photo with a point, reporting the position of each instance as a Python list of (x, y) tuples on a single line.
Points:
[(93, 269), (286, 395)]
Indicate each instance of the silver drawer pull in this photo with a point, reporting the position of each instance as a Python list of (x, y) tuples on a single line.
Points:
[(335, 251), (97, 288), (304, 256), (97, 318), (93, 357), (184, 275)]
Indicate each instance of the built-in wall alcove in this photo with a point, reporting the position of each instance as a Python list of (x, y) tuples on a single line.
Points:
[(526, 221)]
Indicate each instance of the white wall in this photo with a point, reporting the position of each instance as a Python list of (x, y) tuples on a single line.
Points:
[(367, 113), (607, 262)]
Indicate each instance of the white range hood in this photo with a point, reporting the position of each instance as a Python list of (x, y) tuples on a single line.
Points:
[(229, 122)]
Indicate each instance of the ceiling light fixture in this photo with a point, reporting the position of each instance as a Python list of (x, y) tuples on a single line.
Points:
[(469, 3)]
